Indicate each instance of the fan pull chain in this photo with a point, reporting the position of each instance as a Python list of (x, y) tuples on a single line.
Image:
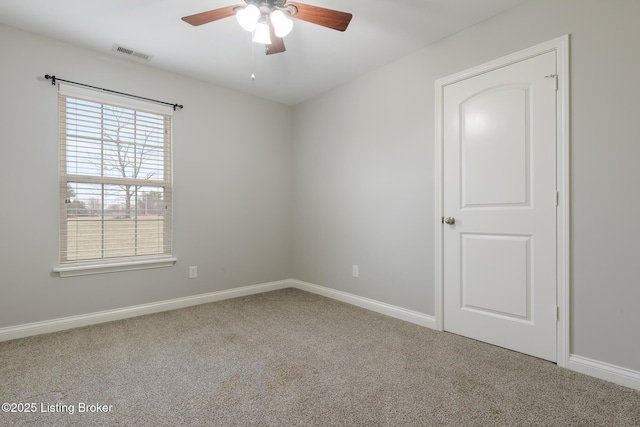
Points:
[(253, 75)]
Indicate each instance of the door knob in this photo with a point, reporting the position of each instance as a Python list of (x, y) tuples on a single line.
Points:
[(450, 220)]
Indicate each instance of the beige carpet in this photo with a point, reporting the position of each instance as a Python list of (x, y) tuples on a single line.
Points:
[(291, 358)]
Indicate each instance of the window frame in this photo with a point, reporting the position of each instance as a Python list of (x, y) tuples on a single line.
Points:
[(67, 268)]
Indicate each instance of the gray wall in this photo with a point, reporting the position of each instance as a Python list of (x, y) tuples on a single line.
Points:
[(232, 206), (363, 170)]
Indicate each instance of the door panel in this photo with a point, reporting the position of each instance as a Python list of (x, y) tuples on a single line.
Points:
[(494, 126), (496, 265), (500, 186)]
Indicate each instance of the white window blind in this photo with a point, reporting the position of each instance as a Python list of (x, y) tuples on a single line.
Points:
[(115, 178)]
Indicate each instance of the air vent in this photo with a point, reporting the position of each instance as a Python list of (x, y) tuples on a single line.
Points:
[(130, 52)]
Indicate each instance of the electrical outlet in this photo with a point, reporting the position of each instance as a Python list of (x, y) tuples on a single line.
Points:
[(193, 272), (356, 271)]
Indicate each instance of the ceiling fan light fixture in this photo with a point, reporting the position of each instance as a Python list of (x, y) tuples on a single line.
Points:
[(248, 17), (261, 35), (281, 24)]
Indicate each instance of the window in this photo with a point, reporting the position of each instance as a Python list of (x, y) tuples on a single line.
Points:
[(115, 183)]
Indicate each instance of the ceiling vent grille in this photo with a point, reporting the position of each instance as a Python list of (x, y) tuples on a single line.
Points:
[(130, 52)]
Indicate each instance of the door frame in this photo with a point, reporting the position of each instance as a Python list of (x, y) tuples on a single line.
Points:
[(560, 46)]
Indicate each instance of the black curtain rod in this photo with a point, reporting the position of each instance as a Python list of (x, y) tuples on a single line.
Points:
[(54, 79)]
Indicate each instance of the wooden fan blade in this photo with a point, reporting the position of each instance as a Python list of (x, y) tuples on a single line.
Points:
[(277, 44), (210, 16), (333, 19)]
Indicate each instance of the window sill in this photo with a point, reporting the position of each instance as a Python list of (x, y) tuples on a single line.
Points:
[(111, 267)]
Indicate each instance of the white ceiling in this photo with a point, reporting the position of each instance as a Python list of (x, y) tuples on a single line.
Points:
[(316, 58)]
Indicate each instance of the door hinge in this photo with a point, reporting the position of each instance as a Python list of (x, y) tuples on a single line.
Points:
[(553, 76), (557, 198), (557, 311)]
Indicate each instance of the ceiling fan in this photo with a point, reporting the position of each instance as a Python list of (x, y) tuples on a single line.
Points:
[(269, 19)]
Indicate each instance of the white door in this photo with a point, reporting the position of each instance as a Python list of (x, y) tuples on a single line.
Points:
[(499, 187)]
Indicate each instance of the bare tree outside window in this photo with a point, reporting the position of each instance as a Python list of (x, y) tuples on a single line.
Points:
[(130, 149)]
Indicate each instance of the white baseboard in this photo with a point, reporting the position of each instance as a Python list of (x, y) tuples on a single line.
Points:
[(370, 304), (594, 368), (605, 371), (55, 325)]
